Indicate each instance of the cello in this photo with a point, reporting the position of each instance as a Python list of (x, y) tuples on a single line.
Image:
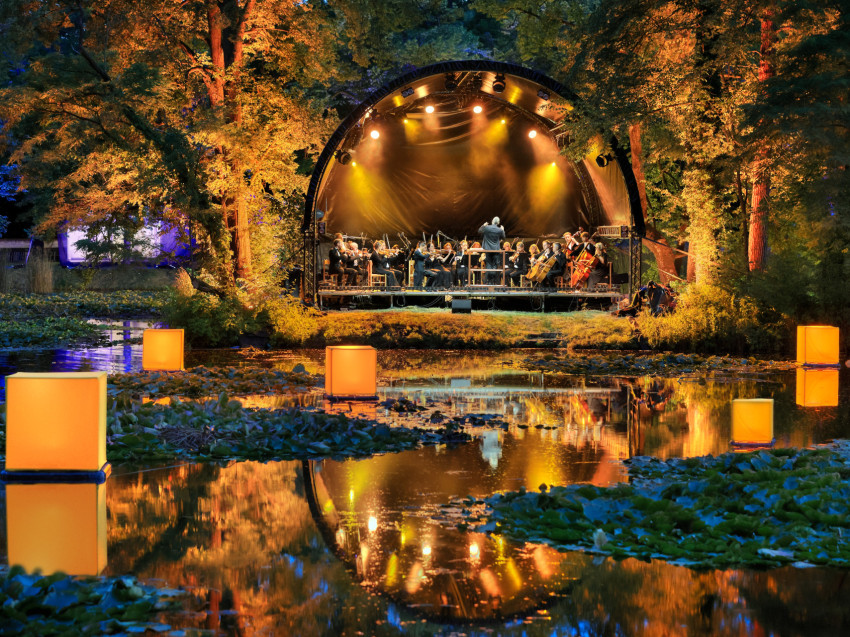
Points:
[(581, 268), (541, 268)]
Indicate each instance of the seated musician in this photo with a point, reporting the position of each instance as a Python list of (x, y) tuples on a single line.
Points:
[(570, 243), (586, 245), (444, 263), (475, 260), (354, 260), (546, 252), (507, 253), (461, 263), (337, 264), (380, 265), (600, 269), (519, 264), (558, 268)]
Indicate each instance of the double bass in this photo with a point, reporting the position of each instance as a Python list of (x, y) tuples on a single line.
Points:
[(541, 268)]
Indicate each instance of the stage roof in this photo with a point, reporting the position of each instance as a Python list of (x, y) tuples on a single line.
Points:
[(447, 147)]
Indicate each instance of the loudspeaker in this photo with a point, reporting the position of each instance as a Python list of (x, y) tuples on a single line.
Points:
[(461, 306)]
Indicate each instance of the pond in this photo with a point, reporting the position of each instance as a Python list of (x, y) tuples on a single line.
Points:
[(355, 547)]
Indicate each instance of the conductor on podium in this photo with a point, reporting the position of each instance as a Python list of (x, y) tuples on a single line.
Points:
[(492, 236)]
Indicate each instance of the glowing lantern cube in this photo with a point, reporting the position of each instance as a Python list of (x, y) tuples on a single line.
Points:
[(56, 421), (752, 421), (817, 387), (57, 527), (351, 372), (162, 350), (817, 345)]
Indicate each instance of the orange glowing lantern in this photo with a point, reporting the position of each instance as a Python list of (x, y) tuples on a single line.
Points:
[(752, 421), (817, 345), (56, 422), (162, 350), (351, 372), (57, 527), (817, 387)]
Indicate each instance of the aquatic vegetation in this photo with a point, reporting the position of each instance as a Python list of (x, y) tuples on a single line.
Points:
[(202, 381), (61, 605), (223, 428), (48, 331), (758, 509), (119, 304), (651, 364)]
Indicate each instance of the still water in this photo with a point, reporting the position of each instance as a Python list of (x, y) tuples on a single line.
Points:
[(351, 547)]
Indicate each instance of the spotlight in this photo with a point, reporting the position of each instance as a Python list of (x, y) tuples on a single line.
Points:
[(602, 160), (476, 82), (543, 95), (374, 134), (477, 108), (451, 82), (503, 121), (532, 134), (429, 108), (407, 92), (499, 83), (404, 121), (354, 163), (343, 157)]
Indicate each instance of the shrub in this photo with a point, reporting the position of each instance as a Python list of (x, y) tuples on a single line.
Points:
[(710, 318), (290, 321), (210, 321)]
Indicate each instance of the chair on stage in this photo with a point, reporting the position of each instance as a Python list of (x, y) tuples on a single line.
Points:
[(375, 280), (327, 277)]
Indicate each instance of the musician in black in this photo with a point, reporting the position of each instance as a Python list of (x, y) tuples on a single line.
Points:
[(492, 233), (419, 257), (585, 245), (558, 268), (380, 265), (354, 260), (337, 265), (519, 263), (600, 269), (462, 263)]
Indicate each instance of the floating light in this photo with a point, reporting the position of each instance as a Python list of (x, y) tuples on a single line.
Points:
[(752, 421), (817, 387), (817, 345), (57, 527), (162, 350), (374, 134), (56, 422), (351, 372)]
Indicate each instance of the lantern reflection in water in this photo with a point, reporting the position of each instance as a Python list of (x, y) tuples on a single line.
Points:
[(817, 345), (57, 527), (351, 372), (162, 350), (752, 421), (817, 387), (56, 421)]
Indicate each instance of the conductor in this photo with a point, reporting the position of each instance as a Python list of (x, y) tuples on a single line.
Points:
[(492, 235)]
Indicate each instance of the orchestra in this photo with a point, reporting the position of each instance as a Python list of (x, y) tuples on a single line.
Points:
[(574, 263)]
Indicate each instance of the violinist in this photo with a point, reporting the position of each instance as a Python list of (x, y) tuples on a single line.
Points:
[(570, 243), (586, 245), (461, 263), (419, 257), (337, 265), (380, 264), (354, 260), (444, 266), (507, 266), (519, 263), (533, 254), (558, 268)]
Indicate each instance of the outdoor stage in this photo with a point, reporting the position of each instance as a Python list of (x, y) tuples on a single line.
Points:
[(480, 296)]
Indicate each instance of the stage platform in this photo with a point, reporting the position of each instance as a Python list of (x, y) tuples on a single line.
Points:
[(482, 296)]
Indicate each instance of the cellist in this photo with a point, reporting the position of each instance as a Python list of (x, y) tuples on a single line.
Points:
[(557, 269)]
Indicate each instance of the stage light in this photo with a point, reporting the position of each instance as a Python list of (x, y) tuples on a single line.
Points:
[(542, 94), (553, 163), (162, 350), (404, 120), (602, 160), (499, 83), (503, 121), (476, 82), (817, 345), (817, 387), (351, 372), (373, 524), (752, 421), (374, 134), (56, 422), (532, 134), (343, 157), (354, 163), (57, 527), (451, 82), (429, 109), (407, 92), (477, 108)]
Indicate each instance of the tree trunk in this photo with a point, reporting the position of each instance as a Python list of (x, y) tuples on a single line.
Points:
[(757, 248), (664, 256)]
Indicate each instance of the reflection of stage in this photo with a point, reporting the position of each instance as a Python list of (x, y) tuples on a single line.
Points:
[(558, 299)]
